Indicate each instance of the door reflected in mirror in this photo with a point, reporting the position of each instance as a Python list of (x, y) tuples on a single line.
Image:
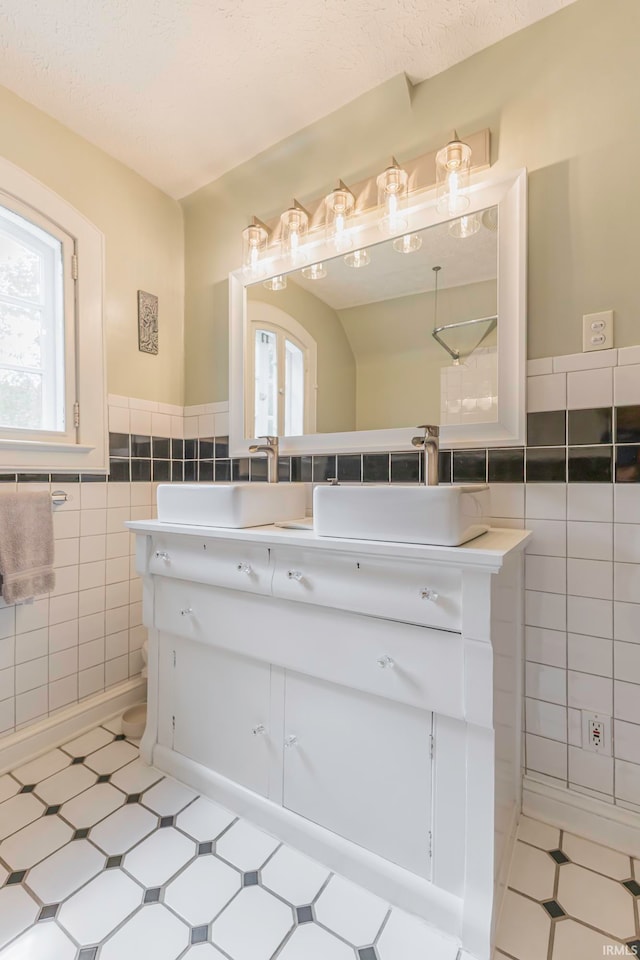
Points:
[(348, 344)]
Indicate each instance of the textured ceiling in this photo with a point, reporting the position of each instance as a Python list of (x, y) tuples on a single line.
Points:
[(184, 90)]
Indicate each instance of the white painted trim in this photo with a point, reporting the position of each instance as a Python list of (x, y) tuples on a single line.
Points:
[(37, 738), (510, 193), (394, 884), (504, 869), (90, 452), (594, 819)]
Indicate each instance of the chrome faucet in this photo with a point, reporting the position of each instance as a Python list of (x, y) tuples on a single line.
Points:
[(271, 448), (430, 444)]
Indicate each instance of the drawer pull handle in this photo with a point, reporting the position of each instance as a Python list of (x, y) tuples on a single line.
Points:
[(244, 567), (162, 555), (295, 575), (259, 730), (385, 663), (428, 594), (291, 741), (186, 612)]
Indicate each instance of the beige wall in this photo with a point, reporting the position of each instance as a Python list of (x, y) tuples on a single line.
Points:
[(561, 98), (397, 360), (336, 395), (144, 243)]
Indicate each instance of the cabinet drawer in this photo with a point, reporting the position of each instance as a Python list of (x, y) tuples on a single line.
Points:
[(239, 566), (410, 664), (407, 591)]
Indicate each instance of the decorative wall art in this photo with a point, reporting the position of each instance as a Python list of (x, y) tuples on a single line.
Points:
[(147, 322)]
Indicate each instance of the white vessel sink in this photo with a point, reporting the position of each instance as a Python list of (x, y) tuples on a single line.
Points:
[(230, 504), (444, 515)]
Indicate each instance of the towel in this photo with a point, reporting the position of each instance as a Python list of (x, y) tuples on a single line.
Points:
[(26, 545)]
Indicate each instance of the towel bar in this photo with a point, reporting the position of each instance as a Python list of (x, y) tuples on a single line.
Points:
[(59, 496)]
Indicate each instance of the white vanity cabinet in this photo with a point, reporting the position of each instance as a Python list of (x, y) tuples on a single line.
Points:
[(360, 766), (360, 700)]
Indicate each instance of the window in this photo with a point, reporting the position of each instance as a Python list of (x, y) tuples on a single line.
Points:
[(37, 349), (283, 364), (52, 403)]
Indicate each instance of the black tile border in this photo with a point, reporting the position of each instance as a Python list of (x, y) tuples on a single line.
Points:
[(207, 460)]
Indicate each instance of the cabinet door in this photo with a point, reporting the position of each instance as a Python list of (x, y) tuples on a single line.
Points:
[(360, 766), (221, 709)]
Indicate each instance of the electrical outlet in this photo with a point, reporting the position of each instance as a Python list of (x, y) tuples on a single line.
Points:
[(597, 331), (596, 733)]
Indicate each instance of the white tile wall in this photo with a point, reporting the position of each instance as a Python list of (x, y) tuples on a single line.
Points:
[(582, 643), (87, 634)]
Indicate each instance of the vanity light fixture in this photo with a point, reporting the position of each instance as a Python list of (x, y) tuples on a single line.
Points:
[(359, 258), (316, 271), (339, 205), (453, 164), (392, 198), (490, 219), (254, 246), (465, 226), (294, 224), (276, 283), (410, 243)]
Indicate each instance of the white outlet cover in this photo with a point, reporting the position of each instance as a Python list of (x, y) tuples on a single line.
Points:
[(597, 331), (605, 746)]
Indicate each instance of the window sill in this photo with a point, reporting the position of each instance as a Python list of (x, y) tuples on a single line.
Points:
[(49, 446), (51, 456)]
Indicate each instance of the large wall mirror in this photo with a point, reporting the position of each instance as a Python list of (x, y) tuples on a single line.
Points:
[(353, 350)]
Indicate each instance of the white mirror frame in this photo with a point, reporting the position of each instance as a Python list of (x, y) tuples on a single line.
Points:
[(509, 193)]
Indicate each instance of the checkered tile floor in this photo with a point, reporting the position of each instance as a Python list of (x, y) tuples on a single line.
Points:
[(104, 858), (568, 899)]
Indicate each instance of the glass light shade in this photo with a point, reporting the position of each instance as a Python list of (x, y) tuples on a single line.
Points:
[(294, 224), (275, 283), (464, 226), (410, 243), (314, 272), (392, 199), (453, 165), (359, 258), (339, 204), (490, 219), (254, 246)]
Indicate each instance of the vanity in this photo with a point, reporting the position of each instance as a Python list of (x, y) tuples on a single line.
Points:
[(355, 688), (359, 699)]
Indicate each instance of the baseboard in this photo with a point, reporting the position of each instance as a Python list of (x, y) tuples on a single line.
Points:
[(594, 819), (390, 882), (39, 737), (504, 870)]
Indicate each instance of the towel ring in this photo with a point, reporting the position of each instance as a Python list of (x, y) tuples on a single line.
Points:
[(59, 496)]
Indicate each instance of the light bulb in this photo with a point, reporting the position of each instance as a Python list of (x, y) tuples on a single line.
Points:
[(339, 205), (392, 195), (410, 243), (276, 283), (254, 245), (464, 226), (314, 272), (294, 223), (359, 258), (453, 164)]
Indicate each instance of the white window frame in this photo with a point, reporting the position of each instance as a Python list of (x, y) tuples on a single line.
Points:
[(83, 445), (264, 316)]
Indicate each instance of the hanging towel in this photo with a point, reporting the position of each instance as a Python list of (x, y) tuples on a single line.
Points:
[(26, 545)]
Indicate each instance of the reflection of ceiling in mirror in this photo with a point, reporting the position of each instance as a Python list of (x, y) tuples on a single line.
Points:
[(391, 274)]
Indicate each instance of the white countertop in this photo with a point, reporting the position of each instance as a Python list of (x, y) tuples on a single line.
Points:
[(488, 550)]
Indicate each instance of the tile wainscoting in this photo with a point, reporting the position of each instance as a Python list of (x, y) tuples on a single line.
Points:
[(576, 485)]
